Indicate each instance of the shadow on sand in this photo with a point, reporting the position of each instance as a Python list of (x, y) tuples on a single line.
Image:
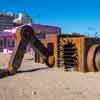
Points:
[(3, 73), (31, 70)]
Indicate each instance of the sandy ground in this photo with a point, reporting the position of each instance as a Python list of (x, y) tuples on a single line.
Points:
[(38, 82)]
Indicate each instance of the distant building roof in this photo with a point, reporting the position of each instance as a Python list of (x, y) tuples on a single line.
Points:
[(46, 28), (71, 35), (37, 27)]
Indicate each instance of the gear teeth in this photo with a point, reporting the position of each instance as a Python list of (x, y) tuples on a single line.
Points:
[(70, 55)]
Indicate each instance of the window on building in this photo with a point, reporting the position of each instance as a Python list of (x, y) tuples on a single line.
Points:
[(1, 43), (11, 43)]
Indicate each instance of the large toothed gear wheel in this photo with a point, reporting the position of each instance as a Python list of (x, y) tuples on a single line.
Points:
[(70, 56), (93, 58)]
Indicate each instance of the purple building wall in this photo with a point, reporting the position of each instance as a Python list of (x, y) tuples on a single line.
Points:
[(5, 38), (40, 29)]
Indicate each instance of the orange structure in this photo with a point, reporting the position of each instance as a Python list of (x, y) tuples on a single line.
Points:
[(72, 52), (79, 52), (51, 42)]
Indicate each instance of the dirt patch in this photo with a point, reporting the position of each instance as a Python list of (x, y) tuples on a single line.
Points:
[(38, 82)]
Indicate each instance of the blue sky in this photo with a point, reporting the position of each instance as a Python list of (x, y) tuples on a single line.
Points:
[(71, 15)]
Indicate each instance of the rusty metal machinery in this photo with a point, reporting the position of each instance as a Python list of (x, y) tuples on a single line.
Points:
[(73, 52), (24, 35), (80, 53), (50, 40), (69, 55), (93, 58)]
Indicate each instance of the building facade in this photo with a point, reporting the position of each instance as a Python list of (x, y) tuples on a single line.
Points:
[(9, 20), (7, 42), (43, 32), (6, 21)]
